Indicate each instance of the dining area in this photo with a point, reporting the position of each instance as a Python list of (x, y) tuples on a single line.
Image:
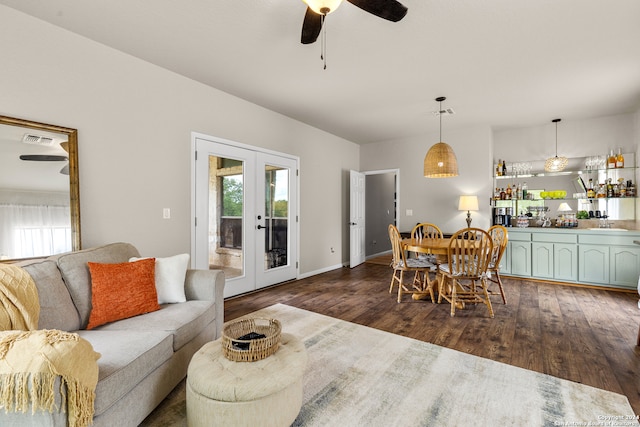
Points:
[(461, 268)]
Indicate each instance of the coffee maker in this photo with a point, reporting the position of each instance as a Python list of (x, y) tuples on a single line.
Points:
[(502, 216)]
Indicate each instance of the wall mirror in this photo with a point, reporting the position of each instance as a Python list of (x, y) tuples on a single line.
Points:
[(39, 189)]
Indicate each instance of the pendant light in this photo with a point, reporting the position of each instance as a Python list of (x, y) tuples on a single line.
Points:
[(440, 161), (556, 164)]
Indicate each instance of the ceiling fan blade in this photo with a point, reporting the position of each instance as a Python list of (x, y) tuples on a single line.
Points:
[(43, 158), (65, 145), (311, 27), (390, 10), (65, 169)]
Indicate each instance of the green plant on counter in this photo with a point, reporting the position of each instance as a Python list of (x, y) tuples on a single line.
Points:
[(582, 215)]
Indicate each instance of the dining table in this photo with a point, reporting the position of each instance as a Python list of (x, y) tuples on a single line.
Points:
[(435, 246)]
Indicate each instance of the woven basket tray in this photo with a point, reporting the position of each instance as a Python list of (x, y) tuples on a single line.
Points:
[(239, 347)]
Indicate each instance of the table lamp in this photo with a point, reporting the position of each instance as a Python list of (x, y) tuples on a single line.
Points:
[(468, 203)]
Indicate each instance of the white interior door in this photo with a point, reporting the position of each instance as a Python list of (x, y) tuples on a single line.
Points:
[(356, 218), (245, 204)]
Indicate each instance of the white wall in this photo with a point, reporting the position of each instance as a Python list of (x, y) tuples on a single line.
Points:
[(576, 138), (436, 199), (134, 124)]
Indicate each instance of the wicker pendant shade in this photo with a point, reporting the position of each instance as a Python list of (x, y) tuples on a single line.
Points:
[(440, 161)]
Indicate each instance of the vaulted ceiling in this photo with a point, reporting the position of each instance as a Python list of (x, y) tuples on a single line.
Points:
[(501, 63)]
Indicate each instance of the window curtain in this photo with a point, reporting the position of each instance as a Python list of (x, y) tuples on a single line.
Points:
[(34, 230)]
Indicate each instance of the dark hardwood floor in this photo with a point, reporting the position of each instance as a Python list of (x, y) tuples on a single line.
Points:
[(579, 334)]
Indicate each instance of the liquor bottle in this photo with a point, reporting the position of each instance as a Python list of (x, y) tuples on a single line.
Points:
[(631, 189), (619, 159), (591, 193), (611, 161), (509, 192), (518, 192), (504, 168), (525, 191), (609, 188), (503, 194), (499, 168)]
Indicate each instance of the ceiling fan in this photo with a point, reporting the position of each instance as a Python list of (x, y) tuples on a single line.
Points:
[(317, 10), (48, 157)]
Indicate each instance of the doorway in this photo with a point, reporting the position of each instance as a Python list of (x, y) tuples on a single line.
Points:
[(245, 202)]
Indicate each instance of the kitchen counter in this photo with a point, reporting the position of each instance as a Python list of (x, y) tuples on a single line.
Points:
[(602, 257)]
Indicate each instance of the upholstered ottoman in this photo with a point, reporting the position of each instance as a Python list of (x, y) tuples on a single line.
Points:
[(267, 392)]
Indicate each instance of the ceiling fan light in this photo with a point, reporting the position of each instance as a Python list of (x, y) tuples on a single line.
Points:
[(323, 7)]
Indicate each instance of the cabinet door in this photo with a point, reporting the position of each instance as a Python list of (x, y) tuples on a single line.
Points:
[(520, 258), (565, 262), (593, 262), (542, 260), (505, 262), (625, 266)]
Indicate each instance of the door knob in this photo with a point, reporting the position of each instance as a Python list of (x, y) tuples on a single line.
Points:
[(260, 227)]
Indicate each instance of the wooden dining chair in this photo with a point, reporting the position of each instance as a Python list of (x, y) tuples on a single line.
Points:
[(426, 230), (401, 264), (500, 237), (463, 279)]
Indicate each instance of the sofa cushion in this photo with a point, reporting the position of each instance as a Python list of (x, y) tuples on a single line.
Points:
[(56, 308), (127, 358), (121, 290), (75, 272), (185, 321)]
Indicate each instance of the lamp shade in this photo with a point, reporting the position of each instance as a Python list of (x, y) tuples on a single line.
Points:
[(440, 162), (468, 203), (564, 207)]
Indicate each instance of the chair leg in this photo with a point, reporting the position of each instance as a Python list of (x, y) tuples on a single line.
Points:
[(486, 297), (428, 284), (499, 282), (441, 287), (453, 297), (400, 286)]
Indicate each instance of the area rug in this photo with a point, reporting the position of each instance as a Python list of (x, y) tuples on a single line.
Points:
[(360, 376)]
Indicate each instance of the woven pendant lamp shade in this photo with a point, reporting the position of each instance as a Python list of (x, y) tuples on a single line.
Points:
[(440, 161)]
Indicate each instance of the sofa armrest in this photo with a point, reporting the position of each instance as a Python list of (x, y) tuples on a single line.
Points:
[(207, 285)]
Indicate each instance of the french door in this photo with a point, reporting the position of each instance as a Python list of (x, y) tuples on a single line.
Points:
[(245, 203)]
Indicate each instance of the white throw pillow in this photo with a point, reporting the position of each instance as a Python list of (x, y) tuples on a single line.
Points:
[(170, 274)]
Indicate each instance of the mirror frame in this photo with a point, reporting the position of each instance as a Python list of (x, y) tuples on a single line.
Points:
[(74, 182)]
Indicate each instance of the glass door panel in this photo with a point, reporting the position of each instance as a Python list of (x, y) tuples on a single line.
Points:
[(277, 216), (226, 205)]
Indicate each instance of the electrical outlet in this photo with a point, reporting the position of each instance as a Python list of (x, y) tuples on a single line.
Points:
[(166, 213), (409, 212)]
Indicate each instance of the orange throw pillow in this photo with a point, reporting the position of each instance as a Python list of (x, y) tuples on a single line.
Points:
[(119, 291)]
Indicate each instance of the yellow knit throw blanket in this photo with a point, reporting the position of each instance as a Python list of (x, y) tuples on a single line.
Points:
[(31, 360)]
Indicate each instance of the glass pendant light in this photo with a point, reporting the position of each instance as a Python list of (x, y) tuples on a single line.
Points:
[(440, 161), (556, 164)]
